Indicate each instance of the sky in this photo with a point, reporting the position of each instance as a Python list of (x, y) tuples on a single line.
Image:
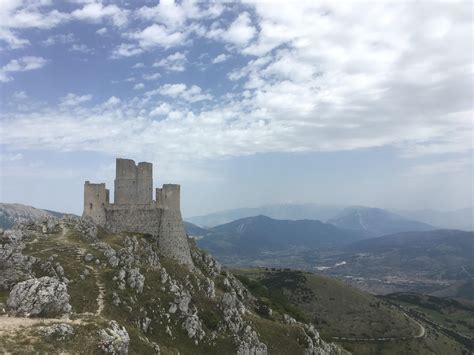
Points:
[(242, 103)]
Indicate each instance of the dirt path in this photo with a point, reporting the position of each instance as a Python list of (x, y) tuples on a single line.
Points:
[(11, 324), (80, 252)]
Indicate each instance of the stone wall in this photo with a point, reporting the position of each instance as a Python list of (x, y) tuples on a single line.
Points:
[(141, 219), (165, 225), (144, 183), (172, 239), (125, 182), (95, 200)]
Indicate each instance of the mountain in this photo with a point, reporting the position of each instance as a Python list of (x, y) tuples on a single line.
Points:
[(193, 230), (375, 222), (10, 213), (459, 219), (277, 211), (67, 286), (260, 235), (437, 262)]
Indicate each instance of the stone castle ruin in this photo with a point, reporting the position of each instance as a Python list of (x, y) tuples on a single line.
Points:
[(134, 209)]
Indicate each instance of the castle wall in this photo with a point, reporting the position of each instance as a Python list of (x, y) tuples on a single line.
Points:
[(172, 239), (144, 172), (95, 201), (165, 225), (125, 182), (141, 219), (170, 196)]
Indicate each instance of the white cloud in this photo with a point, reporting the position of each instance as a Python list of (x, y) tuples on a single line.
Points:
[(20, 95), (102, 31), (59, 38), (182, 91), (220, 58), (174, 62), (82, 48), (240, 31), (126, 50), (74, 100), (158, 36), (139, 86), (20, 65), (160, 110), (97, 12), (150, 77), (12, 40), (138, 66)]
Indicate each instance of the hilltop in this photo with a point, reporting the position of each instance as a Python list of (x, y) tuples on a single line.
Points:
[(70, 286)]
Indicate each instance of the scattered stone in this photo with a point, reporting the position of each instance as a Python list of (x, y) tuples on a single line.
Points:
[(88, 257)]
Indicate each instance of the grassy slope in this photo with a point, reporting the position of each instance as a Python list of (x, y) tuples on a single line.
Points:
[(339, 310), (280, 338)]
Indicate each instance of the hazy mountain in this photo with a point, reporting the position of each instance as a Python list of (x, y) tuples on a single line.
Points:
[(254, 235), (375, 222), (278, 211), (424, 261), (458, 219), (194, 230), (10, 213)]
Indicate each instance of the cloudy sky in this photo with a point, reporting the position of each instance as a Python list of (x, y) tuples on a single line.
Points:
[(243, 104)]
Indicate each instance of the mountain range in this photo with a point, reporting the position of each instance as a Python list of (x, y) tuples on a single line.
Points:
[(11, 213), (458, 219)]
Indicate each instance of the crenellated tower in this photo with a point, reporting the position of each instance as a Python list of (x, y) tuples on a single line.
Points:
[(134, 209)]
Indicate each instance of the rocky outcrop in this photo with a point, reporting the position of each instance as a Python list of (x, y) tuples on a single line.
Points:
[(46, 296), (114, 339), (14, 266), (60, 331)]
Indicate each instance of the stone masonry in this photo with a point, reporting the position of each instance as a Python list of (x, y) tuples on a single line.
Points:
[(134, 209)]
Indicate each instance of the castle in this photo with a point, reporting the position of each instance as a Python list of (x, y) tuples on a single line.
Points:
[(134, 209)]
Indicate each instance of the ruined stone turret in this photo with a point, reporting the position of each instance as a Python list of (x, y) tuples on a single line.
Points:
[(134, 209)]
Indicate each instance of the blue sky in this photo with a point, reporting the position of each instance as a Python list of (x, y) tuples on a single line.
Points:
[(243, 104)]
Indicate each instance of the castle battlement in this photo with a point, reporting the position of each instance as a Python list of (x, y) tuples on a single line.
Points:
[(135, 210)]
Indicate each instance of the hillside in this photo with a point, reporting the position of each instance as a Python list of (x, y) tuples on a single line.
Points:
[(70, 287), (11, 213), (253, 237), (375, 222), (429, 262), (362, 323), (277, 211)]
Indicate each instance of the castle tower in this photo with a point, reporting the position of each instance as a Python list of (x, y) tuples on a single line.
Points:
[(125, 182), (144, 183), (96, 198)]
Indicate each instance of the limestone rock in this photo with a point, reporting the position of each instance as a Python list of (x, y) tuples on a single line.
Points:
[(114, 339), (60, 331), (135, 280), (193, 327), (45, 296)]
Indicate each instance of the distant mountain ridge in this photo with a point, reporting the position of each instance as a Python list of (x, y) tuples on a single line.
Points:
[(376, 222), (458, 219), (259, 234), (277, 211), (10, 213)]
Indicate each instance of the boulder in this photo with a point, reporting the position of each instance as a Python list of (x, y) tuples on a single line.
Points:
[(46, 296), (114, 339)]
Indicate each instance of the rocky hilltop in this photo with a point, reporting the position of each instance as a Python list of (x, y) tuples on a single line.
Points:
[(68, 286)]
